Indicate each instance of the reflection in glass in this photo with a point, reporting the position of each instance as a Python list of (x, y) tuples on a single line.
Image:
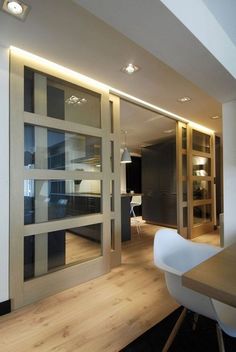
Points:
[(112, 156), (201, 190), (201, 166), (202, 214), (65, 101), (111, 116), (184, 138), (201, 142), (185, 194), (112, 193), (60, 150), (59, 199), (185, 217), (112, 235), (63, 247), (184, 165)]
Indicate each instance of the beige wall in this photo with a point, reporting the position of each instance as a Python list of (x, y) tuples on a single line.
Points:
[(229, 173), (4, 175)]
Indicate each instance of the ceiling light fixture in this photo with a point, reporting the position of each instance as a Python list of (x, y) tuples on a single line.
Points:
[(215, 117), (168, 131), (130, 68), (183, 99), (125, 158), (73, 100), (16, 8)]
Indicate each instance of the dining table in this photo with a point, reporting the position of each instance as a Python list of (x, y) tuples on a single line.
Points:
[(215, 277)]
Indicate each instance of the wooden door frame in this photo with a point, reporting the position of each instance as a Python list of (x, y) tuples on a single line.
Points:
[(192, 231), (25, 292)]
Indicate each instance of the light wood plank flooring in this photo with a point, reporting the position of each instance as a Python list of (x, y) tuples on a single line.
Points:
[(104, 314)]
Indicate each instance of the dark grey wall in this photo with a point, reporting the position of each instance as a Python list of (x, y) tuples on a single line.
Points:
[(159, 183)]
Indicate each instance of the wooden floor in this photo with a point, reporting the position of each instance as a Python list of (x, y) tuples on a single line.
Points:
[(104, 314), (80, 249)]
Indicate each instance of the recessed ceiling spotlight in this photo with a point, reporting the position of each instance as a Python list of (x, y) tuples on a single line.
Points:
[(73, 100), (168, 131), (130, 68), (16, 8), (183, 99), (215, 117)]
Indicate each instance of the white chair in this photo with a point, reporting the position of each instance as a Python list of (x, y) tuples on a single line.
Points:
[(135, 202), (175, 255)]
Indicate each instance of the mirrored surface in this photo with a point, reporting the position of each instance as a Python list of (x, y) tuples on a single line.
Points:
[(202, 214), (201, 190), (201, 142), (59, 199), (64, 100), (201, 166), (46, 148), (55, 250)]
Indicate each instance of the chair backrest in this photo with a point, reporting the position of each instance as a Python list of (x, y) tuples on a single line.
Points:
[(136, 200), (173, 253)]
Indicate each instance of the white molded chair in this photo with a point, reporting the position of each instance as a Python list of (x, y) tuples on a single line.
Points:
[(135, 202), (176, 255)]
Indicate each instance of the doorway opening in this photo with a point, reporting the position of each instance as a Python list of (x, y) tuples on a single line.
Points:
[(158, 176)]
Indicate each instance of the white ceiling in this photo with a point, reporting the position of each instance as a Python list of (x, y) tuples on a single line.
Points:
[(151, 25), (225, 17), (73, 37)]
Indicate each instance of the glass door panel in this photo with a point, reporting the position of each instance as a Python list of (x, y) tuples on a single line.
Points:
[(63, 248), (202, 214), (201, 171), (65, 178), (201, 189), (64, 100), (201, 166), (195, 181), (201, 141)]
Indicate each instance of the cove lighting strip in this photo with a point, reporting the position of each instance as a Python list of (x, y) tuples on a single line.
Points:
[(93, 82)]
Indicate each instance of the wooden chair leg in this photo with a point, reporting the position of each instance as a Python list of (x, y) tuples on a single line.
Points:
[(195, 320), (220, 338), (174, 330)]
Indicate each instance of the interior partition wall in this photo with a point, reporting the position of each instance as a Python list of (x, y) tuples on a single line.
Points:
[(64, 180)]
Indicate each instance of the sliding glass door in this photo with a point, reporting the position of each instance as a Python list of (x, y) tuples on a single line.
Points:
[(196, 189), (65, 210)]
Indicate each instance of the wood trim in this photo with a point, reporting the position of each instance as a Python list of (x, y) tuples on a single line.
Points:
[(181, 204), (202, 154), (16, 181), (42, 174), (63, 279), (62, 125), (196, 230), (106, 169), (116, 253), (190, 183), (199, 202), (64, 224), (27, 292)]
